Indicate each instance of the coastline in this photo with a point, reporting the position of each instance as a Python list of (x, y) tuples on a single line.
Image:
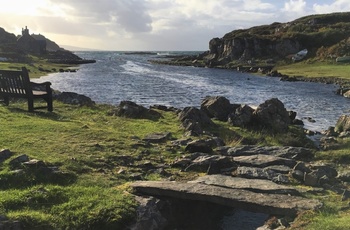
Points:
[(264, 70)]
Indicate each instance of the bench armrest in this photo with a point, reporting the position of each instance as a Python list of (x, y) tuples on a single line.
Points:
[(40, 86)]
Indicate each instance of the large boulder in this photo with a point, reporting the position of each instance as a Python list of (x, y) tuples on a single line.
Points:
[(130, 109), (196, 115), (272, 115), (73, 98), (241, 116), (217, 107), (343, 124)]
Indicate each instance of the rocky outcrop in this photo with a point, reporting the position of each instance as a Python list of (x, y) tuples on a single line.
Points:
[(280, 41), (246, 48), (270, 115)]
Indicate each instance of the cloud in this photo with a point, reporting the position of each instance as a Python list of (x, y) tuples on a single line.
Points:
[(129, 15), (336, 6), (295, 6), (152, 24)]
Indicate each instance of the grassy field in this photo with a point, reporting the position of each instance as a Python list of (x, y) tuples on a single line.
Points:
[(38, 68), (98, 155), (316, 69)]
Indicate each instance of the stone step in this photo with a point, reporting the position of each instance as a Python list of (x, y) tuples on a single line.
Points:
[(253, 185), (276, 204)]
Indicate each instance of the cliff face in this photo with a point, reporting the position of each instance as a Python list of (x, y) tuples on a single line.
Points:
[(322, 35)]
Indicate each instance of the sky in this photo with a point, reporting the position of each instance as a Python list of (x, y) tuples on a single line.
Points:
[(150, 25)]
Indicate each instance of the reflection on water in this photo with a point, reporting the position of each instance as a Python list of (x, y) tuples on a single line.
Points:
[(116, 77)]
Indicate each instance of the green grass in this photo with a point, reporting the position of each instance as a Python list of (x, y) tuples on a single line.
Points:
[(316, 69), (38, 68), (90, 147)]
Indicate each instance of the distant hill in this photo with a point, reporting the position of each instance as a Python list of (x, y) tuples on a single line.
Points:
[(19, 48), (324, 36)]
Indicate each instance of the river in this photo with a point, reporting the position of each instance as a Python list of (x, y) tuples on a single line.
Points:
[(117, 76)]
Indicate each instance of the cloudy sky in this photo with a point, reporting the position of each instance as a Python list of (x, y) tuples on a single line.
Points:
[(150, 24)]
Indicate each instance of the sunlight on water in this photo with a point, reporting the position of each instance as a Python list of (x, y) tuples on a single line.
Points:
[(116, 77)]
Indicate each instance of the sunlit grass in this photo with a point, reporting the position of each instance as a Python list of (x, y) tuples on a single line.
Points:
[(316, 69)]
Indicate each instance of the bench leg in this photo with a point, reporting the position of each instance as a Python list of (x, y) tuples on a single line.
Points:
[(49, 105), (30, 105), (6, 100)]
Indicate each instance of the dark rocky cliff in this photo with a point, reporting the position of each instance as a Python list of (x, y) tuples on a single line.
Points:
[(326, 35)]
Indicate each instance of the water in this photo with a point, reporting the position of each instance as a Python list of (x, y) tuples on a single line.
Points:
[(116, 76)]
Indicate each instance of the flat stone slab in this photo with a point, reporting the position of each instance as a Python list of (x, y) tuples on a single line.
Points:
[(262, 161), (276, 204), (278, 151), (254, 185)]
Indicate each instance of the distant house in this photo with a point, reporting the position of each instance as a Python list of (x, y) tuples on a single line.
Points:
[(31, 45)]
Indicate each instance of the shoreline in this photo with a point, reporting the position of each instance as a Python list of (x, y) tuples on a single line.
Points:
[(267, 70)]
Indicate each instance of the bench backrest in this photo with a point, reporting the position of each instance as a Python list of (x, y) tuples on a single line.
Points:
[(14, 83)]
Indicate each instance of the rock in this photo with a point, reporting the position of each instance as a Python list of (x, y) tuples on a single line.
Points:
[(320, 175), (217, 107), (344, 176), (298, 175), (5, 154), (149, 214), (241, 117), (330, 132), (211, 164), (195, 115), (272, 115), (215, 142), (193, 120), (276, 204), (323, 169), (297, 153), (254, 185), (343, 124), (311, 179), (130, 109), (193, 128), (18, 160), (255, 173), (73, 98), (279, 169), (182, 162), (34, 163), (157, 137), (199, 146), (262, 161)]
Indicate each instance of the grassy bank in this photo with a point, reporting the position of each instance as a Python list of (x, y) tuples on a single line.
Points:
[(97, 155), (38, 68), (316, 69)]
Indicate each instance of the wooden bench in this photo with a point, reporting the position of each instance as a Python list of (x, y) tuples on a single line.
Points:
[(16, 84)]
